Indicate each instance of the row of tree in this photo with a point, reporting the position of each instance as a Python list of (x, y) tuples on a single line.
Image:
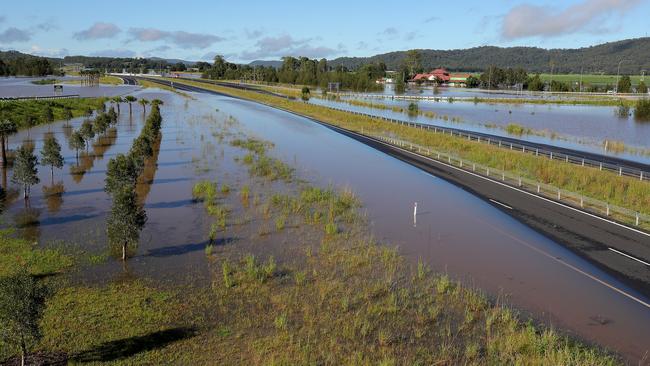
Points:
[(301, 71), (127, 217), (22, 296), (497, 78)]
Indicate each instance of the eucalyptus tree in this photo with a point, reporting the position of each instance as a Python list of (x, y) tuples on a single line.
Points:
[(87, 132), (77, 143), (121, 172), (29, 122), (67, 114), (22, 302), (7, 128), (51, 154), (25, 168), (49, 114), (125, 221)]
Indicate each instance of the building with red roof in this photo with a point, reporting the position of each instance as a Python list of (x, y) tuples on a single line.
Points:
[(441, 76)]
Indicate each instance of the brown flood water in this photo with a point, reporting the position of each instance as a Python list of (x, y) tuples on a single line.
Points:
[(455, 232)]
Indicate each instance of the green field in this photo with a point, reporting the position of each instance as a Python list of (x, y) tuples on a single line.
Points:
[(590, 78)]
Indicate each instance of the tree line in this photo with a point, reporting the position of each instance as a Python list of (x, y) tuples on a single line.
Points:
[(299, 71), (127, 217), (27, 66)]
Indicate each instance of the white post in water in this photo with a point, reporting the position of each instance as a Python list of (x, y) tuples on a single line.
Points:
[(415, 214)]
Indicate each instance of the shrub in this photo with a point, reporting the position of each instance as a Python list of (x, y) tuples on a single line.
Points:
[(642, 110)]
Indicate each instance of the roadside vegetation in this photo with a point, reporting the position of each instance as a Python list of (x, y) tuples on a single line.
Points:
[(602, 185), (29, 113)]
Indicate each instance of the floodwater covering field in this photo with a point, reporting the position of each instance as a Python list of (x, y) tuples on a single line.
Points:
[(23, 87), (580, 127), (501, 256)]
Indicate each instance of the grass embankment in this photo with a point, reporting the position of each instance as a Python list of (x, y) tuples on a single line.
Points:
[(20, 110), (341, 300), (104, 79), (148, 84), (602, 185), (44, 82)]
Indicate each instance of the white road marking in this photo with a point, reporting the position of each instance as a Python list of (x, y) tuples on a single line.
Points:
[(629, 256), (501, 204)]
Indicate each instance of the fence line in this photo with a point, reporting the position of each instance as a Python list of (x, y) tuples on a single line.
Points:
[(621, 170), (548, 191)]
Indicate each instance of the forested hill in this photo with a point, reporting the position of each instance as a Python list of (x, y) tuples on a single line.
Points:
[(601, 58)]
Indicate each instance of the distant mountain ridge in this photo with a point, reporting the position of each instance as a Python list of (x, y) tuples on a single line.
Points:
[(604, 58), (633, 54)]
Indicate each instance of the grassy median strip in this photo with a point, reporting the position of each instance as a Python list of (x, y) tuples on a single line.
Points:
[(606, 186)]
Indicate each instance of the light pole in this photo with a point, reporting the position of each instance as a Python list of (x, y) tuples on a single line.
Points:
[(618, 72)]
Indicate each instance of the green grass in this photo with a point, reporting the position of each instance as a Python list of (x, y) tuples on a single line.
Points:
[(16, 253), (44, 82), (18, 111), (588, 78), (602, 185)]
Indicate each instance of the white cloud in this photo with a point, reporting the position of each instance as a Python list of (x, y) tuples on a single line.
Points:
[(98, 30), (118, 52), (181, 39), (13, 34), (528, 20), (253, 34), (48, 52), (285, 45)]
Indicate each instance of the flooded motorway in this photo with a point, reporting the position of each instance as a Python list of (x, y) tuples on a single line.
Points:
[(454, 231)]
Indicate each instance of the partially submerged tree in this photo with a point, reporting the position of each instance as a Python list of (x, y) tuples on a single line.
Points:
[(52, 153), (7, 128), (67, 115), (117, 100), (25, 168), (22, 302), (125, 221), (624, 84), (77, 143), (143, 102), (130, 99), (29, 122), (87, 131), (121, 172)]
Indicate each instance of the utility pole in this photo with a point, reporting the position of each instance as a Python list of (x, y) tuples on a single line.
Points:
[(550, 85), (618, 72), (581, 79)]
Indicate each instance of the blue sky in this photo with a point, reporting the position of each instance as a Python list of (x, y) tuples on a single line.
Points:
[(249, 30)]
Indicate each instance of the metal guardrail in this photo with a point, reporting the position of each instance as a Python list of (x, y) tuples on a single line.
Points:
[(575, 200), (521, 146), (10, 99)]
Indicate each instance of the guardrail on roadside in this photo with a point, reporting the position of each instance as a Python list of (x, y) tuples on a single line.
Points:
[(575, 200), (621, 170), (10, 99)]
